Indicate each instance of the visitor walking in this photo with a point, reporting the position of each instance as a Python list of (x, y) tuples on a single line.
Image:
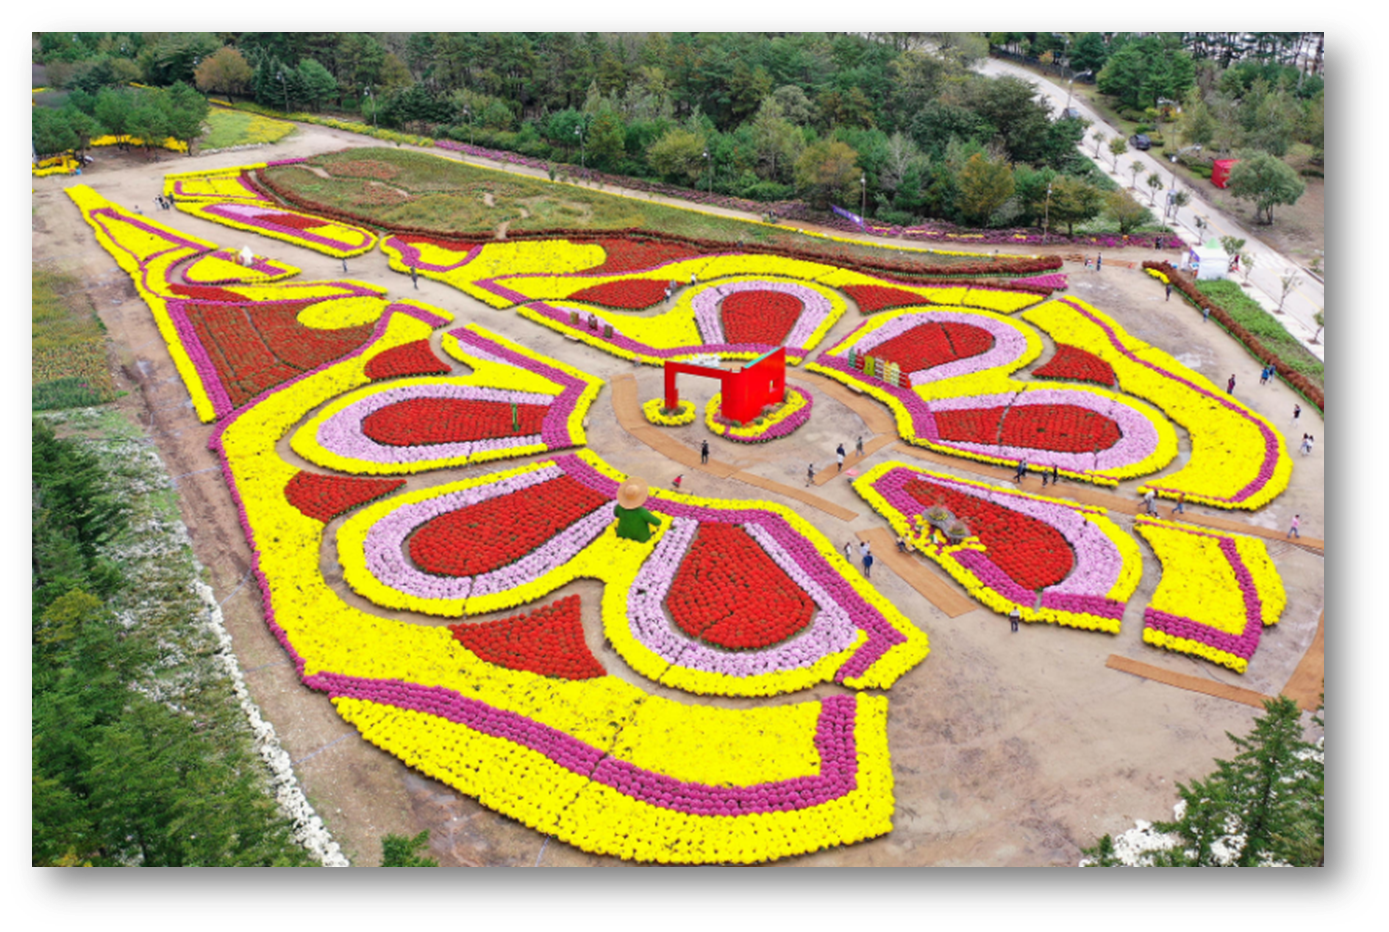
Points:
[(676, 481), (693, 280), (901, 544), (1307, 442), (1169, 292), (868, 566), (1230, 385), (1297, 413), (1088, 264), (839, 457), (863, 550), (1022, 471), (344, 265), (1263, 376), (1099, 262), (1293, 531), (1014, 617), (1055, 475), (849, 551), (414, 278), (1205, 313), (809, 475), (858, 447), (1148, 502), (704, 453), (1180, 508)]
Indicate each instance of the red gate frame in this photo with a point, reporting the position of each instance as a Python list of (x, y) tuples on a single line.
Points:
[(745, 391)]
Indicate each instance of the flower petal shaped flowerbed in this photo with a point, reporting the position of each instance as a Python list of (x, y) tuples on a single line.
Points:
[(1238, 459), (515, 402), (584, 756), (946, 375), (780, 422), (1218, 592), (227, 197), (224, 268), (1012, 546), (230, 343)]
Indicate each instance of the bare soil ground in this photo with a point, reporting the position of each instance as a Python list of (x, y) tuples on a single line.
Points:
[(1008, 749)]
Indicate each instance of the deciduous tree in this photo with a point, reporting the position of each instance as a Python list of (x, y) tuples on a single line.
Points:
[(226, 71), (984, 185), (1265, 181)]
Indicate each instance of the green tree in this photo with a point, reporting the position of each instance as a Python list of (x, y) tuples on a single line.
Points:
[(51, 133), (317, 83), (1265, 181), (607, 138), (828, 171), (400, 851), (226, 71), (1135, 168), (1155, 185), (1089, 52), (777, 141), (112, 111), (1125, 211), (984, 185), (149, 121), (1117, 147), (1074, 201), (678, 153), (186, 110)]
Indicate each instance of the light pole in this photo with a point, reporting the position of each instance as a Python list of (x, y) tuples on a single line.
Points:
[(578, 131), (468, 115), (1046, 216), (284, 87), (366, 92), (1080, 74), (863, 201), (709, 167)]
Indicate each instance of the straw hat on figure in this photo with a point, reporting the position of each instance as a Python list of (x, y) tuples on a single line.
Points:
[(633, 521)]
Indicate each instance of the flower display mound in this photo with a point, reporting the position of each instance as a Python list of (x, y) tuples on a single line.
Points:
[(416, 421), (224, 267), (416, 358), (1034, 554), (1059, 427), (629, 294), (759, 316), (1218, 591), (1006, 547), (871, 298), (755, 604), (934, 344), (780, 421), (325, 497), (1077, 365), (656, 412), (548, 641), (480, 538)]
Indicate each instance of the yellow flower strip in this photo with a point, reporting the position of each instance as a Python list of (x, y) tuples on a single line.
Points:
[(324, 634), (684, 415), (135, 250), (1238, 459)]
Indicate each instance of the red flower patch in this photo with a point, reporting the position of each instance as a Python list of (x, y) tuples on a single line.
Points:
[(1061, 428), (259, 346), (630, 294), (419, 421), (633, 255), (491, 534), (730, 593), (933, 344), (206, 293), (415, 358), (759, 316), (1077, 365), (299, 222), (1033, 553), (872, 298), (549, 641), (325, 497)]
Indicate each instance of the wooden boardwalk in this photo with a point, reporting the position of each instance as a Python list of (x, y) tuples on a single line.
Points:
[(939, 590)]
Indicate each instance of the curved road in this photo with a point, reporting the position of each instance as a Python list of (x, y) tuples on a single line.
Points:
[(1302, 303)]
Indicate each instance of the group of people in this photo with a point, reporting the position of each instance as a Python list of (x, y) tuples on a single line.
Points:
[(865, 556), (1054, 475), (1267, 373), (840, 453), (165, 203), (1097, 265)]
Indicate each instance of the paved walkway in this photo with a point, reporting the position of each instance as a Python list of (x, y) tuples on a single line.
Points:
[(628, 410)]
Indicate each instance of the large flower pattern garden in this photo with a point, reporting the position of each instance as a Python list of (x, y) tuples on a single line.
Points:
[(727, 597)]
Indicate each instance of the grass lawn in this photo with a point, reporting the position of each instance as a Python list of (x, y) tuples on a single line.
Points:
[(1266, 327), (68, 366), (390, 187), (236, 128)]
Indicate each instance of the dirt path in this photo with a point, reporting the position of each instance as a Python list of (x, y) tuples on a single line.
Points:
[(1007, 749)]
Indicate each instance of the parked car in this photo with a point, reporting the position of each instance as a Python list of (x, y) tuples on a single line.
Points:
[(1070, 113), (1141, 142)]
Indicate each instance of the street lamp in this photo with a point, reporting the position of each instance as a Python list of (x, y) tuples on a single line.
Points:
[(1080, 74), (709, 167), (285, 88), (1046, 216), (468, 115), (578, 131), (366, 92), (863, 201)]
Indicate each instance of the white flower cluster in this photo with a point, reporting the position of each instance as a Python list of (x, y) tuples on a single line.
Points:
[(309, 829)]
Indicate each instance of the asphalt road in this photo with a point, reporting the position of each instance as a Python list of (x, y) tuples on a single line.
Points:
[(1270, 267)]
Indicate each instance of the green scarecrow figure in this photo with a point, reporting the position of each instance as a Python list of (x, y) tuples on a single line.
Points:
[(632, 519)]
